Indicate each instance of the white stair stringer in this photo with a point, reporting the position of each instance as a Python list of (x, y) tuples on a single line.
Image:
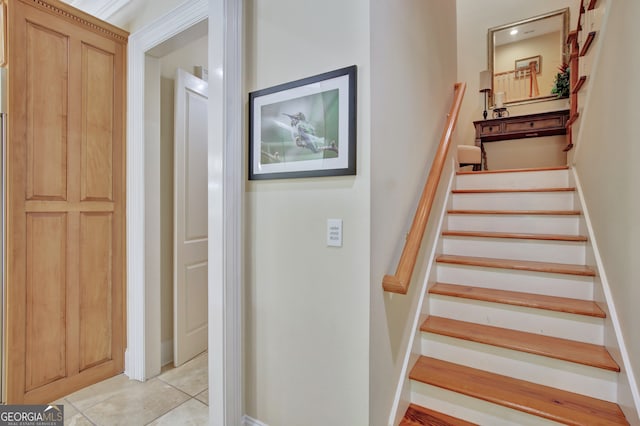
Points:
[(500, 211)]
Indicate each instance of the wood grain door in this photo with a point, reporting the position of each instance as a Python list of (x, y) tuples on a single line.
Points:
[(65, 229)]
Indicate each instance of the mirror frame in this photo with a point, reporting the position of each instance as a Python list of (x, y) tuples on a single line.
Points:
[(564, 13)]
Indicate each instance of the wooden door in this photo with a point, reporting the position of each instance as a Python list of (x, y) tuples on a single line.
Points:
[(66, 216), (190, 218)]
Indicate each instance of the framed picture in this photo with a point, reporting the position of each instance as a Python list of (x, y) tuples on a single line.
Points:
[(522, 66), (304, 128)]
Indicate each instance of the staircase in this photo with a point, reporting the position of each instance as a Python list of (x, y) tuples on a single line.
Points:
[(511, 334)]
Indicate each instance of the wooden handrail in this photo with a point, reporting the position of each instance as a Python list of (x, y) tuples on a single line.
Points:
[(399, 283)]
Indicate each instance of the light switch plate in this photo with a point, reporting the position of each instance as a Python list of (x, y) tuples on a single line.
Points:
[(334, 232)]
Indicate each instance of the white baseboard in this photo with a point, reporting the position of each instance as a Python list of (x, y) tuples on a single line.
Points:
[(248, 421), (166, 352)]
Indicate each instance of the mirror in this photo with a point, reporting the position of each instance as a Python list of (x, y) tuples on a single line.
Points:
[(525, 56)]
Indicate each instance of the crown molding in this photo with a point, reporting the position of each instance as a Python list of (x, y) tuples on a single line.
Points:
[(79, 16)]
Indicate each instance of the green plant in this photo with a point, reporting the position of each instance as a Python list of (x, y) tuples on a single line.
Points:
[(562, 82)]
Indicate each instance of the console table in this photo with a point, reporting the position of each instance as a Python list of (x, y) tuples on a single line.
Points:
[(519, 127)]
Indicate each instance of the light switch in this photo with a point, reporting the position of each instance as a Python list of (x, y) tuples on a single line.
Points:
[(334, 232)]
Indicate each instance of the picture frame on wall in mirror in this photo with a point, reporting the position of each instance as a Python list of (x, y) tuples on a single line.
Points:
[(523, 66), (304, 128)]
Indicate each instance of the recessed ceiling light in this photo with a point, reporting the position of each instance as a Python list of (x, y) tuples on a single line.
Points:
[(514, 31)]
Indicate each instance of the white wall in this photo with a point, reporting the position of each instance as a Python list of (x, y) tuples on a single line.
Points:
[(413, 69), (606, 161), (474, 20), (307, 305)]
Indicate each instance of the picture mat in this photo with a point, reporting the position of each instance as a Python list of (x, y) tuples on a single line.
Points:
[(301, 99)]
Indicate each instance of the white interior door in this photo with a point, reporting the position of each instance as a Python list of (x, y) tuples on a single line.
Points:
[(190, 218)]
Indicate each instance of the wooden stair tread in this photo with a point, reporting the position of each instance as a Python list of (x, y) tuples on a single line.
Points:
[(419, 416), (543, 401), (528, 300), (521, 265), (552, 347), (509, 190), (532, 169), (519, 212), (514, 235)]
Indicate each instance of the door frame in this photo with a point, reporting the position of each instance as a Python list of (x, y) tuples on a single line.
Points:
[(225, 174)]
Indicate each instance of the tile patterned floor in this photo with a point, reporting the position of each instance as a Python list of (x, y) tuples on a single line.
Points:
[(178, 396)]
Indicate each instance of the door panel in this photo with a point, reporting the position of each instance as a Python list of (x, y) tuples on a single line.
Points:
[(96, 288), (46, 98), (46, 302), (195, 298), (65, 227), (97, 123), (195, 167), (190, 219)]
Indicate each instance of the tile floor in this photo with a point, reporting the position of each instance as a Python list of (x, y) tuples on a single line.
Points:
[(178, 396)]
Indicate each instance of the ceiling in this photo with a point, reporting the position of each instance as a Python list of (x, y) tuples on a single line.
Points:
[(102, 9)]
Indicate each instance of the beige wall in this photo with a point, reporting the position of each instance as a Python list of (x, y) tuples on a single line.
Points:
[(546, 151), (606, 160), (311, 330), (307, 305), (413, 68), (474, 19)]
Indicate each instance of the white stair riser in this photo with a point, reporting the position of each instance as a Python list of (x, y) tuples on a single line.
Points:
[(540, 224), (506, 248), (472, 409), (516, 180), (514, 201), (540, 321), (572, 377), (561, 285)]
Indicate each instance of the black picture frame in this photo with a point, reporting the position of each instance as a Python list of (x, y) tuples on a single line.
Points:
[(304, 128)]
